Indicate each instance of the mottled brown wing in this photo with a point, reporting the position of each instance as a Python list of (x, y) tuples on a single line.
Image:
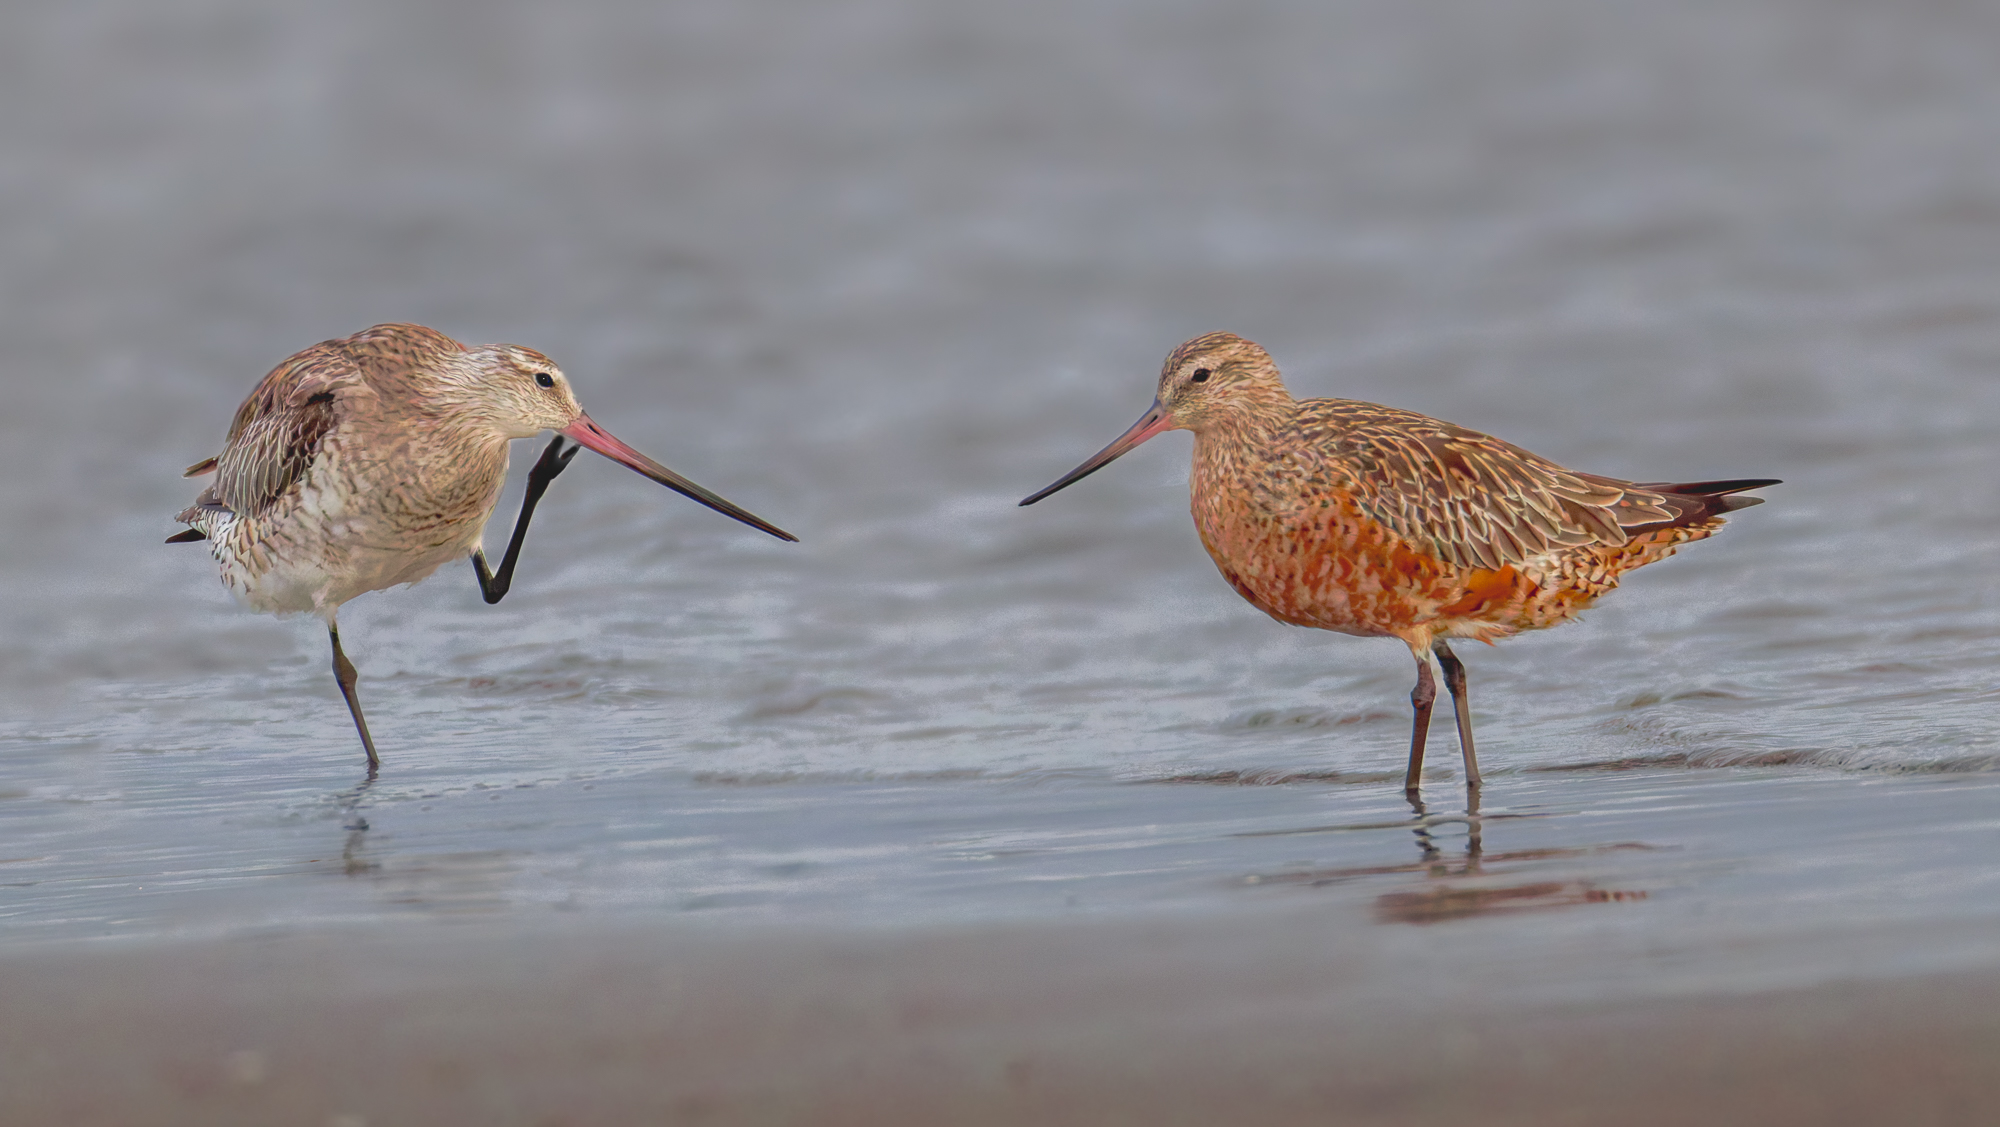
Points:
[(278, 430), (1471, 499)]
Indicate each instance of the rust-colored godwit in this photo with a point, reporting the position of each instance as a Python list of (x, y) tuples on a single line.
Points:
[(1378, 522), (366, 462)]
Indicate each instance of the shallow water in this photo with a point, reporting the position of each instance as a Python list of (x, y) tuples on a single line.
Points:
[(875, 271)]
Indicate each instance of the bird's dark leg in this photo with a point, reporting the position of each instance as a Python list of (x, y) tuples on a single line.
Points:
[(1421, 698), (343, 672), (554, 460), (1454, 679)]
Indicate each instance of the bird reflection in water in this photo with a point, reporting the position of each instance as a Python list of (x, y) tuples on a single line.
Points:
[(1427, 844), (348, 802), (458, 882), (1463, 889)]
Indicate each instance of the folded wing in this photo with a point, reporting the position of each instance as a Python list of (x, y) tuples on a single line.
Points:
[(279, 429), (1475, 501)]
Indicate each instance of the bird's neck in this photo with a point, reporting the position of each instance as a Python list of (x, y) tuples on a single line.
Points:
[(1234, 452), (464, 414), (456, 472), (1246, 424)]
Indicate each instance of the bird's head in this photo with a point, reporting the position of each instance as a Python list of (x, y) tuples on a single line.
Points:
[(1213, 377), (1217, 373), (521, 392)]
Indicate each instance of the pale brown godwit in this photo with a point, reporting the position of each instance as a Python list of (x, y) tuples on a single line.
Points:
[(366, 462), (1377, 522)]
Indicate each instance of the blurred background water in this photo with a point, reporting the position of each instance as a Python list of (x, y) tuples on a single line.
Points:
[(876, 270)]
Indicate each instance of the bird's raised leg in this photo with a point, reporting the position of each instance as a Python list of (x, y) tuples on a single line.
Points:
[(343, 672), (554, 460), (1454, 679), (1420, 698)]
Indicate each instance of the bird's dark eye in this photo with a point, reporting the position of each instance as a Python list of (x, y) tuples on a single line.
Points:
[(545, 379), (1200, 376)]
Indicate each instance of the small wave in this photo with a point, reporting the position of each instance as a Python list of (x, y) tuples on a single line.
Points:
[(1649, 699), (784, 778), (1836, 758), (845, 699), (1961, 765), (516, 686), (1271, 777), (1268, 718)]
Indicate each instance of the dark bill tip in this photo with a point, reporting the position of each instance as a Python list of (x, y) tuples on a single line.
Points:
[(597, 438), (1155, 420)]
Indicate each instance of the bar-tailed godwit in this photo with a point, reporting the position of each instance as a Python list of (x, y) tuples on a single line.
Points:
[(1378, 522), (363, 463)]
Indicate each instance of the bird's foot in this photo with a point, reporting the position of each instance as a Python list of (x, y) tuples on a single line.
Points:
[(554, 460)]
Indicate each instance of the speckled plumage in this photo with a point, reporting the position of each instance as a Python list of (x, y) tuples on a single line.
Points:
[(1374, 521), (371, 461), (353, 466), (1380, 522)]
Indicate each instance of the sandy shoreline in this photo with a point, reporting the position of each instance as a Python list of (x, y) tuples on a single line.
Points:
[(1159, 1022)]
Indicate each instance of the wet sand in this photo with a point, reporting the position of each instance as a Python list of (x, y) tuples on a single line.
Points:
[(1642, 945), (1264, 1018)]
